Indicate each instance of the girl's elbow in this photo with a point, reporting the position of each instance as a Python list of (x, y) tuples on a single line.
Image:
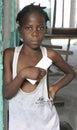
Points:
[(73, 74), (6, 95)]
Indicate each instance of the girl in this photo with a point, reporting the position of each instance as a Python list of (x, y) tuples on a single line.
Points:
[(29, 104)]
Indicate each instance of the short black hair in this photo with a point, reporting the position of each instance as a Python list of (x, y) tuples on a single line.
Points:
[(31, 8)]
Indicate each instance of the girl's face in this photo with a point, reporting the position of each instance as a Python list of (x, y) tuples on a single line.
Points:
[(33, 29)]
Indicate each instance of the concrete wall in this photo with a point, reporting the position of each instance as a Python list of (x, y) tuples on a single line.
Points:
[(1, 99)]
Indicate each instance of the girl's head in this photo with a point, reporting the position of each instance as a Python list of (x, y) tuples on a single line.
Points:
[(32, 21), (29, 9)]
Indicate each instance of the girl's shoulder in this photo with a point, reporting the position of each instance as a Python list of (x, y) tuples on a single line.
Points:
[(8, 53), (9, 50), (53, 54)]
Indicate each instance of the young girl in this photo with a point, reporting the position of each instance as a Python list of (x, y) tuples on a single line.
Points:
[(29, 104)]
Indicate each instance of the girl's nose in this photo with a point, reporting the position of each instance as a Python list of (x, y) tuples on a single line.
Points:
[(34, 32)]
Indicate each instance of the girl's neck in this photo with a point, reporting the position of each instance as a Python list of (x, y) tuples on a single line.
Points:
[(29, 51)]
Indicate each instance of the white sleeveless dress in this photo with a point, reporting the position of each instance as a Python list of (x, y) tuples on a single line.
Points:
[(32, 111)]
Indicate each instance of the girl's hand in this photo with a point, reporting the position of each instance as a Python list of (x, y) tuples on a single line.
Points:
[(34, 73), (52, 93)]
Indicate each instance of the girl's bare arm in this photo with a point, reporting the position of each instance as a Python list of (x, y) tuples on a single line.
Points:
[(63, 66)]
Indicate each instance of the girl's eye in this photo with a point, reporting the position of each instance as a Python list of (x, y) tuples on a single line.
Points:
[(41, 28), (28, 28)]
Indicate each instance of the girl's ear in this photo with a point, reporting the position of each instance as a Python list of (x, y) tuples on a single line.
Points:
[(46, 30), (46, 27), (20, 29)]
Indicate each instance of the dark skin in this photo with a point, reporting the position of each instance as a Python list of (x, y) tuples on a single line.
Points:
[(32, 31)]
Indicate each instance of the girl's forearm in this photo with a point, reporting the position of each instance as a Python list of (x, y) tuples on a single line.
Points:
[(10, 89)]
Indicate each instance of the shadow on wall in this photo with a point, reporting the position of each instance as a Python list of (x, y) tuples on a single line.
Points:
[(65, 126)]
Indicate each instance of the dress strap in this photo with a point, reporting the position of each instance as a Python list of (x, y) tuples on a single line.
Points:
[(44, 51), (15, 59)]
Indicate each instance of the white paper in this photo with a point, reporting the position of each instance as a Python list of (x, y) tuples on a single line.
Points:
[(44, 63)]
